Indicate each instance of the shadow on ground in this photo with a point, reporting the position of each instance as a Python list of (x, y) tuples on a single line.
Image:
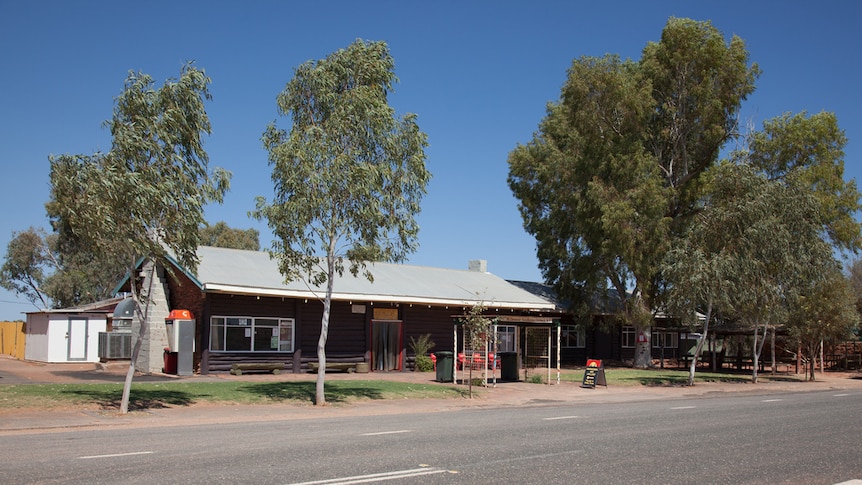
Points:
[(665, 381), (139, 399), (305, 391)]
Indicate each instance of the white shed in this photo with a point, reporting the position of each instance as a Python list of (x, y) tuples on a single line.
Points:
[(67, 334)]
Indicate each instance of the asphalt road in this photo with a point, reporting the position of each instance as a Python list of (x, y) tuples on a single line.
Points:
[(806, 438)]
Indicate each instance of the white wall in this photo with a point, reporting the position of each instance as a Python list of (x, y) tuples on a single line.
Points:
[(36, 337), (48, 337)]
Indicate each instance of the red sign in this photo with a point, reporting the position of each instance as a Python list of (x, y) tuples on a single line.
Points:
[(594, 374)]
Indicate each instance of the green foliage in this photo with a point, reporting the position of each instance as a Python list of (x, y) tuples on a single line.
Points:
[(349, 174), (28, 256), (348, 177), (476, 326), (221, 235), (810, 150), (614, 173), (145, 198), (855, 276), (824, 312), (57, 273), (424, 363), (147, 194), (420, 347)]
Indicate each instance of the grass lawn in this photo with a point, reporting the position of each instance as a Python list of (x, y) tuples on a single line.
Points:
[(622, 376), (148, 395), (171, 394)]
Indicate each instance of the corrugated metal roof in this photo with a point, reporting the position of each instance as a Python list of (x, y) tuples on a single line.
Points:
[(102, 306), (254, 273)]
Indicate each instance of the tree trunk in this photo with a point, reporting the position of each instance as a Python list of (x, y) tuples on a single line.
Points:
[(643, 352), (812, 361), (143, 316), (822, 369), (470, 378), (319, 394), (772, 343), (700, 343), (757, 348)]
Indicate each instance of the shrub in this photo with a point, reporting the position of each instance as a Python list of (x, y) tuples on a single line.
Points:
[(420, 347), (424, 364)]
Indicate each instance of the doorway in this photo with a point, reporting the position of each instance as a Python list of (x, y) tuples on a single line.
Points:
[(386, 346), (77, 339)]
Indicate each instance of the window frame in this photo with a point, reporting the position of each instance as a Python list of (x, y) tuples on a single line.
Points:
[(662, 339), (628, 337), (510, 330), (253, 331), (580, 337)]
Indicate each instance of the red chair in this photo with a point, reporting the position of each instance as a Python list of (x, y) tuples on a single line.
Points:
[(434, 361), (461, 360), (491, 360)]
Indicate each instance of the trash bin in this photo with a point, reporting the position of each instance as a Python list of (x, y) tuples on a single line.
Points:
[(445, 366), (509, 366), (170, 366)]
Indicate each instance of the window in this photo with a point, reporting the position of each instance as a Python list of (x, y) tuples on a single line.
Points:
[(505, 338), (668, 340), (628, 335), (572, 336), (251, 334)]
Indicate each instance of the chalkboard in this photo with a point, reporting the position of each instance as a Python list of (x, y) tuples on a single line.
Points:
[(594, 374)]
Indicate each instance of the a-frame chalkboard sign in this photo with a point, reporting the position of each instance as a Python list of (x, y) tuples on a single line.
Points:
[(594, 374)]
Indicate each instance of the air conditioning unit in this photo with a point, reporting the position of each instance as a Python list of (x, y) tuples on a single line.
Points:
[(115, 345)]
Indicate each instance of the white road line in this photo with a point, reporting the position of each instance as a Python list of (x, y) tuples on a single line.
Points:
[(560, 417), (772, 400), (376, 477), (116, 455), (682, 407), (840, 395), (387, 432)]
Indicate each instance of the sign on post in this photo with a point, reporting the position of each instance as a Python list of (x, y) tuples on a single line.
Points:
[(594, 374)]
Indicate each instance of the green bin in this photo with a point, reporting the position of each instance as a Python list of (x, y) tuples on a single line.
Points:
[(509, 366), (445, 366)]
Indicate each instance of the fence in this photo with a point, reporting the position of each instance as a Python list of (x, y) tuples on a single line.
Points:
[(12, 339)]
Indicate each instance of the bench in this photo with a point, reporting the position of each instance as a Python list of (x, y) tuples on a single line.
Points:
[(349, 367), (274, 367)]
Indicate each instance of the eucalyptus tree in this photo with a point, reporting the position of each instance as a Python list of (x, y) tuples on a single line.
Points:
[(223, 236), (348, 176), (825, 312), (614, 172), (28, 263), (749, 254), (144, 198), (809, 149)]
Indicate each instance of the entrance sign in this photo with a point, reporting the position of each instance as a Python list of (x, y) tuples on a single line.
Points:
[(594, 374)]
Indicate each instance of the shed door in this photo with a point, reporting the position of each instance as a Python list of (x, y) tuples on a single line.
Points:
[(77, 339)]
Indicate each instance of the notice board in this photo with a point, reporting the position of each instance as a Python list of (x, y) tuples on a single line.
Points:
[(594, 374)]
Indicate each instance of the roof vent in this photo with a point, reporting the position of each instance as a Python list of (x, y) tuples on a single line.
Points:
[(480, 265)]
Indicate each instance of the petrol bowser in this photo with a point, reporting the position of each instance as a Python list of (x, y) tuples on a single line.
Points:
[(181, 341)]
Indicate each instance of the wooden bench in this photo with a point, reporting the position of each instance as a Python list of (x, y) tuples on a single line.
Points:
[(238, 368), (349, 367)]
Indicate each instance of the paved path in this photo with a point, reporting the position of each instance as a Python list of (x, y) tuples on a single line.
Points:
[(505, 394)]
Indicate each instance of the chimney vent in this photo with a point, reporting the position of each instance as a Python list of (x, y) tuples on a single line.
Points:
[(479, 265)]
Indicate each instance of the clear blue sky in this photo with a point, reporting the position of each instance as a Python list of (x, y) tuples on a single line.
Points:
[(477, 74)]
